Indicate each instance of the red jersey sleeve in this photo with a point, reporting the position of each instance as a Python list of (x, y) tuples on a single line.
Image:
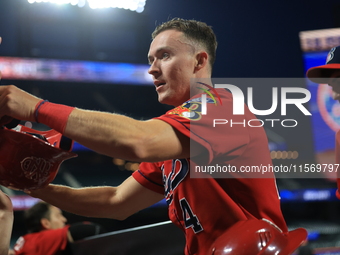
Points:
[(46, 242), (150, 176), (182, 124), (203, 130)]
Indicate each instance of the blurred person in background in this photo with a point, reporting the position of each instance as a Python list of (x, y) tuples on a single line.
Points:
[(48, 233), (329, 74)]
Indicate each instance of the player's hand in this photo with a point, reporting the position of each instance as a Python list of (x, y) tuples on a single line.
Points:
[(16, 103)]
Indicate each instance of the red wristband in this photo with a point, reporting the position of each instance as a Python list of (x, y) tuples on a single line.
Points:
[(53, 115)]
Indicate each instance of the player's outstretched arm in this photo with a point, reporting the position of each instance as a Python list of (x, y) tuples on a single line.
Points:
[(101, 202), (110, 134), (6, 223), (123, 137)]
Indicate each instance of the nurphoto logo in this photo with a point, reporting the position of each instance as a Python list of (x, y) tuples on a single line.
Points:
[(281, 97)]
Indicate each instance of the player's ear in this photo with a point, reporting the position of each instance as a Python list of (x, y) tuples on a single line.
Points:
[(45, 223), (201, 60)]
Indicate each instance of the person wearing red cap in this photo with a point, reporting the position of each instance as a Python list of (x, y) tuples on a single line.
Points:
[(169, 147), (329, 73)]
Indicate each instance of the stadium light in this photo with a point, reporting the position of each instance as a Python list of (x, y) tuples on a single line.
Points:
[(132, 5)]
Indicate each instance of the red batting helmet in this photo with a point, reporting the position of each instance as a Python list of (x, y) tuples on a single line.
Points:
[(30, 159), (258, 237)]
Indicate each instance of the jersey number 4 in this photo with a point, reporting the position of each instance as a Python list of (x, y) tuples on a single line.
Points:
[(190, 219)]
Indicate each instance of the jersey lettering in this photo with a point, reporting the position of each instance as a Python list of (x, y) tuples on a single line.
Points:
[(190, 219), (180, 168)]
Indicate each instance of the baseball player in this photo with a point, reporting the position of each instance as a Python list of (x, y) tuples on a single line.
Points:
[(169, 146), (330, 74), (48, 233)]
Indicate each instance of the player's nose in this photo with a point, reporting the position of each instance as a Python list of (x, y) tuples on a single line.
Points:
[(154, 69)]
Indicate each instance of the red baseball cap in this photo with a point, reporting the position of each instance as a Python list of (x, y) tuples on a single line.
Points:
[(321, 74), (258, 237), (30, 159)]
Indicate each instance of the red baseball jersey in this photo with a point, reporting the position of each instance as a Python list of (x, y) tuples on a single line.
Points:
[(205, 205), (46, 242)]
